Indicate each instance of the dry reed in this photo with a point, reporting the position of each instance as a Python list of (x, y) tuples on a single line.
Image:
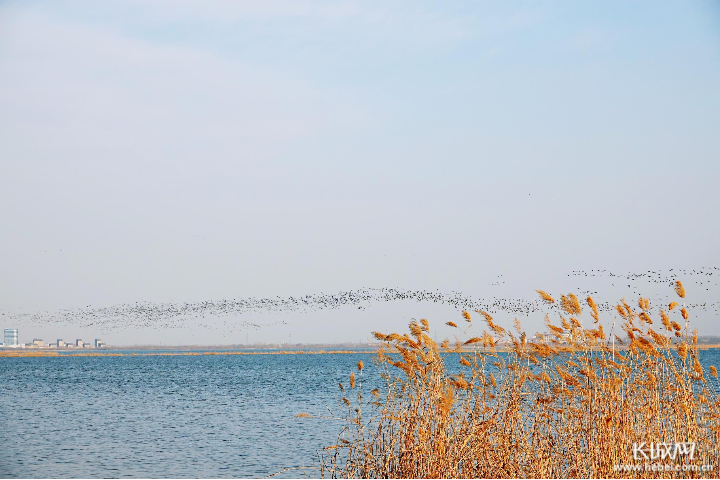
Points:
[(572, 406)]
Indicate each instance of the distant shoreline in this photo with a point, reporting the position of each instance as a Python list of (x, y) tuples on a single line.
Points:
[(200, 351), (127, 352)]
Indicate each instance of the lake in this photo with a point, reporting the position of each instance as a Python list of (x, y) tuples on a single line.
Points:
[(173, 416), (168, 416)]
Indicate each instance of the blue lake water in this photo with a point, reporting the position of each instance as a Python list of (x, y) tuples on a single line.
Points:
[(172, 416), (167, 416)]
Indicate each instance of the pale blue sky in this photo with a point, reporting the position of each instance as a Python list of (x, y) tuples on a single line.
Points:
[(169, 150)]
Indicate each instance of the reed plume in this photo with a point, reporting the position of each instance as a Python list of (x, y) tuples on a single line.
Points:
[(679, 289), (545, 296)]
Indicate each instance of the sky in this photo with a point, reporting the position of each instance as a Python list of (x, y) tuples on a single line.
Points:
[(172, 151)]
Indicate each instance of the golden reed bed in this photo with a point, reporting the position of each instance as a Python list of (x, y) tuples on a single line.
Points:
[(580, 408)]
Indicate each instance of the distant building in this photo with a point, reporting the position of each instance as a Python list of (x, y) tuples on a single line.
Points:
[(11, 337), (38, 342), (97, 342), (542, 337), (552, 337), (86, 345), (60, 343), (78, 343)]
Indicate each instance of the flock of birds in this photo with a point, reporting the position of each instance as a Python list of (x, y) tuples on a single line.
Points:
[(227, 313), (659, 276), (705, 278)]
